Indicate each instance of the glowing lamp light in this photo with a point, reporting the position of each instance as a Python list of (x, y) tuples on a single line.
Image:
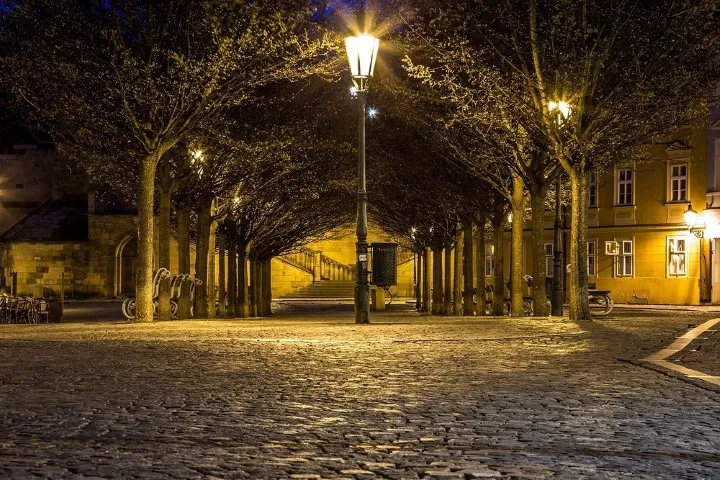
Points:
[(691, 217), (563, 108), (510, 217), (362, 55), (372, 112)]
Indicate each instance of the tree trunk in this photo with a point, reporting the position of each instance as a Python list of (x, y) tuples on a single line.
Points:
[(254, 287), (232, 282), (201, 259), (498, 307), (222, 311), (468, 264), (517, 282), (447, 291), (418, 280), (578, 284), (457, 271), (480, 269), (437, 280), (164, 242), (183, 219), (540, 304), (144, 307), (267, 287), (243, 308), (212, 287), (426, 281)]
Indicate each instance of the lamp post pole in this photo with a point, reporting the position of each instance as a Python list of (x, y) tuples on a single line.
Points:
[(362, 288), (557, 285)]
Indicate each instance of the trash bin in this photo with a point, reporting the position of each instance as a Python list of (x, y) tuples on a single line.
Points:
[(54, 311)]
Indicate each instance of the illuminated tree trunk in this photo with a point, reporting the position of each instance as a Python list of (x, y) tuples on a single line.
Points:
[(232, 282), (480, 268), (201, 258), (518, 202), (437, 280), (222, 312), (540, 304), (212, 287), (426, 281), (144, 279), (457, 269), (267, 287), (468, 264), (418, 280), (499, 273), (254, 287), (578, 284), (447, 291), (243, 300), (165, 184), (183, 219)]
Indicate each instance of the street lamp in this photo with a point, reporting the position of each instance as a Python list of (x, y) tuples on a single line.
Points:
[(362, 55), (562, 110), (694, 222)]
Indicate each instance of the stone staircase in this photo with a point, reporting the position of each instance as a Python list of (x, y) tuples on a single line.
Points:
[(344, 289)]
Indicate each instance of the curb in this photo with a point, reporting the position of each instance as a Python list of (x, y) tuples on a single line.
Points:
[(660, 358)]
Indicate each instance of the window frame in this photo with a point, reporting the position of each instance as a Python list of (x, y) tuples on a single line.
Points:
[(594, 256), (489, 260), (593, 190), (549, 259), (621, 264), (672, 178), (621, 196), (669, 253)]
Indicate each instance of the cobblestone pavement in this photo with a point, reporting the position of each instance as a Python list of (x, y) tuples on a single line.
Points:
[(702, 354), (406, 397)]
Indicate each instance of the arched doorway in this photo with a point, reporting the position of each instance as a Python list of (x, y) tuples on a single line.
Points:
[(126, 267)]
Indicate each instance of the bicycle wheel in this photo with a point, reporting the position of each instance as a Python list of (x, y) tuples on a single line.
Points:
[(128, 308), (173, 309)]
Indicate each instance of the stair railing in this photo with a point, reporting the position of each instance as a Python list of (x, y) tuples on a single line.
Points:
[(329, 269), (302, 258)]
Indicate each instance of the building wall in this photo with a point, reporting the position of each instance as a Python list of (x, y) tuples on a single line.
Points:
[(26, 181)]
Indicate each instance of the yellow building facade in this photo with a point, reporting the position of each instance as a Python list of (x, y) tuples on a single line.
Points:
[(637, 211)]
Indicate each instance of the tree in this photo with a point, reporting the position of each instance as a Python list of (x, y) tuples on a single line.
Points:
[(112, 76)]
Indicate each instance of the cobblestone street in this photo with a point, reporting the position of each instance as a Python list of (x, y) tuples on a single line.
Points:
[(319, 397)]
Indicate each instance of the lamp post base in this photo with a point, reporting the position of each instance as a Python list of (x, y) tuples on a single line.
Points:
[(362, 286)]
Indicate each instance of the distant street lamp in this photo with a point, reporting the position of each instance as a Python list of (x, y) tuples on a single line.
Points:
[(362, 54), (563, 110)]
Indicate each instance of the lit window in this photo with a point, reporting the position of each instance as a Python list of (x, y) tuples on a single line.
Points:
[(593, 190), (677, 265), (489, 260), (592, 258), (678, 183), (625, 186), (624, 265), (549, 259)]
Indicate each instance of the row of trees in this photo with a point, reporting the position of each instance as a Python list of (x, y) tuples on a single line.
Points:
[(511, 95), (224, 117), (183, 108)]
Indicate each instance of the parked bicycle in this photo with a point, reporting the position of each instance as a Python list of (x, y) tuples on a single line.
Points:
[(26, 310)]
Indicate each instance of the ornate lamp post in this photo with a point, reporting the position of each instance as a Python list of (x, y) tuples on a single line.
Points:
[(362, 54), (562, 110)]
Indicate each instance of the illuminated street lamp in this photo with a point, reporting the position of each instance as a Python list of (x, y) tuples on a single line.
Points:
[(695, 222), (362, 55), (562, 110)]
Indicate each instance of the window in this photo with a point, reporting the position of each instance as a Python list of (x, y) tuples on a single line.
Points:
[(592, 258), (624, 265), (677, 266), (678, 183), (625, 186), (489, 260), (593, 190), (549, 259)]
